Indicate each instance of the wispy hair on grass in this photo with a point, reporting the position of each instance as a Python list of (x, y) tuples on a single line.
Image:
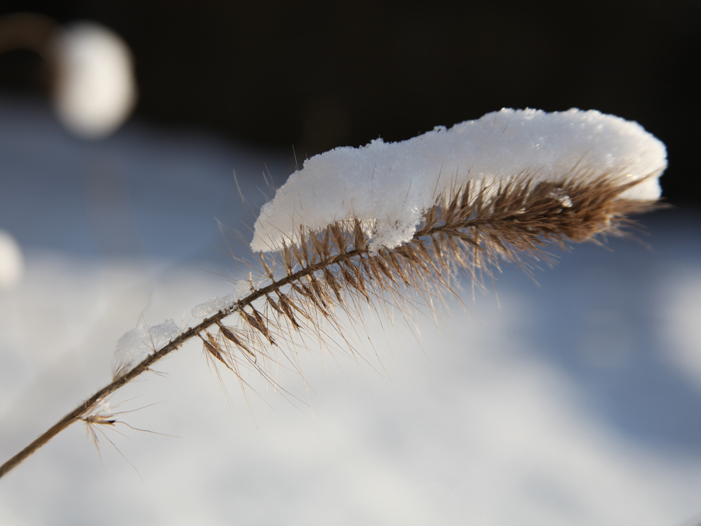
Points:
[(311, 264)]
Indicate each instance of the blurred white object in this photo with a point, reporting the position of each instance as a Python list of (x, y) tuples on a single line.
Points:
[(95, 90), (682, 309), (11, 262)]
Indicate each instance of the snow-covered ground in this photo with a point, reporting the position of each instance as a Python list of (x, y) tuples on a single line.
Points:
[(572, 401)]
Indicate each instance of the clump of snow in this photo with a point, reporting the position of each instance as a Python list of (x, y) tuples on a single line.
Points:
[(390, 185), (210, 307), (95, 89), (138, 343), (11, 262)]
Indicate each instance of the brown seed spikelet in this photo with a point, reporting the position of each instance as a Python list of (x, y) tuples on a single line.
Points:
[(473, 229)]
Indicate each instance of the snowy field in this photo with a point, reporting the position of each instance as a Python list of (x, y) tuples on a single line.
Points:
[(573, 401)]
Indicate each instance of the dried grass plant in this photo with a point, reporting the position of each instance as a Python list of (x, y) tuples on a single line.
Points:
[(472, 229)]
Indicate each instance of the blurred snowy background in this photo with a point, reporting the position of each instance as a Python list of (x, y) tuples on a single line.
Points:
[(575, 400)]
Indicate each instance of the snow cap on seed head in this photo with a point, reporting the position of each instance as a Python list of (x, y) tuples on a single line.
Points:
[(390, 185)]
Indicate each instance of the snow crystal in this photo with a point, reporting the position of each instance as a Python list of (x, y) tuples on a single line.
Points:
[(95, 90), (390, 185), (138, 343), (210, 307)]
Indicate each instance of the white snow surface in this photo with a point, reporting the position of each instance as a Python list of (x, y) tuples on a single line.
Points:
[(390, 185), (138, 343), (95, 89)]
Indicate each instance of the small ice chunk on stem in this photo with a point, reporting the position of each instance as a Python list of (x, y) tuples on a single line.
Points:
[(390, 185), (209, 308), (138, 343)]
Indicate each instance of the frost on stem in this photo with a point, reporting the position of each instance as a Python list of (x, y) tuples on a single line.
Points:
[(214, 305), (138, 343), (208, 308), (389, 186)]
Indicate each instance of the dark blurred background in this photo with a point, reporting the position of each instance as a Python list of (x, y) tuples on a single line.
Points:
[(315, 75)]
